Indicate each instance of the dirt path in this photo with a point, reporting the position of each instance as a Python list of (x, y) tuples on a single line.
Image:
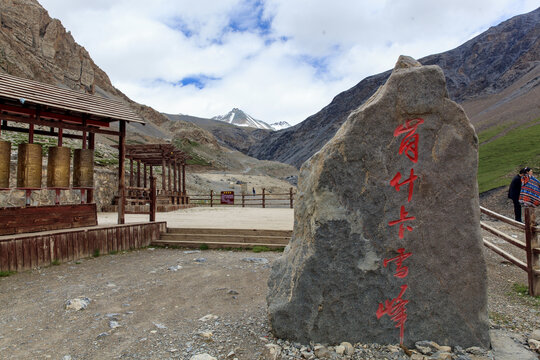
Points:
[(151, 303)]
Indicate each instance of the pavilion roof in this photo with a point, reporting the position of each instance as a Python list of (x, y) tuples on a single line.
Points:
[(153, 154), (22, 96)]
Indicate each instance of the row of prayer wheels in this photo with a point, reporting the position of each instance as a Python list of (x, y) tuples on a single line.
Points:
[(29, 166)]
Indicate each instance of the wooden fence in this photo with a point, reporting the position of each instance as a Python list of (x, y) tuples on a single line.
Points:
[(23, 252), (531, 245), (263, 199), (140, 196)]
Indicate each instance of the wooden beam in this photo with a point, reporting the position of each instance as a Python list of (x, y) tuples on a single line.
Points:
[(38, 132), (57, 124)]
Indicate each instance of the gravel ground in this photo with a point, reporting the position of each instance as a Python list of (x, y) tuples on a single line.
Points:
[(176, 304)]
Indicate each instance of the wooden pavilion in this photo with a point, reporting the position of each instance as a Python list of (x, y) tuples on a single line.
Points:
[(36, 108), (173, 172), (32, 236)]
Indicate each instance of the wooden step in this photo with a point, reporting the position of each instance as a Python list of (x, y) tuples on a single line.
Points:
[(205, 238), (246, 232), (214, 245)]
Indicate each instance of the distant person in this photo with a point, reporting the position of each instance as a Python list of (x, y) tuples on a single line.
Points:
[(514, 192), (530, 189), (253, 191)]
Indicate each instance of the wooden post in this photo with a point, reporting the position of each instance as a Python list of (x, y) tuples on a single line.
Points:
[(175, 176), (153, 198), (163, 184), (130, 172), (243, 200), (533, 257), (91, 146), (211, 198), (138, 173), (145, 176), (263, 198), (184, 180), (169, 176), (121, 173), (291, 197)]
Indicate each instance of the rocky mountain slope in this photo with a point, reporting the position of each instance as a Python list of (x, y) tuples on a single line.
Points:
[(37, 47), (494, 76), (231, 136)]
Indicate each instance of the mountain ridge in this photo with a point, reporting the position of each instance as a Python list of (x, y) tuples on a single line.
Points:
[(476, 72)]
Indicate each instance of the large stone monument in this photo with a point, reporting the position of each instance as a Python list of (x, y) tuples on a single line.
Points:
[(387, 245)]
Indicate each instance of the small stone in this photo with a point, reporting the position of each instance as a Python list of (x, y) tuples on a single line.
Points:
[(322, 352), (208, 317), (426, 350), (256, 260), (160, 326), (192, 251), (230, 354), (443, 356), (113, 324), (233, 292), (206, 335), (340, 350), (475, 350), (200, 260), (174, 268), (202, 357), (417, 357), (102, 335), (534, 344), (536, 335), (349, 349), (272, 351), (77, 304)]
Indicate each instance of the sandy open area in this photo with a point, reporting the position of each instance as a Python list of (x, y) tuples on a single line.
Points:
[(215, 217)]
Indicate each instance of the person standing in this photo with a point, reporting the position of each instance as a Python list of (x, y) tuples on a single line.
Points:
[(513, 193), (530, 189)]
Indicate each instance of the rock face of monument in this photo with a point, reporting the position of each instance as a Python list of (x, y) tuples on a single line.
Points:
[(387, 243)]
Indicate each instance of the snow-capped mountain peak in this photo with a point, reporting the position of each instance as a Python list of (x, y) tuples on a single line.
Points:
[(280, 125), (239, 118)]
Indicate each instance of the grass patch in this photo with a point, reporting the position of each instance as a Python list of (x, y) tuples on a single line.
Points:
[(113, 252), (522, 291), (95, 253), (258, 249), (490, 133), (6, 273), (203, 247), (55, 262), (188, 147), (500, 159)]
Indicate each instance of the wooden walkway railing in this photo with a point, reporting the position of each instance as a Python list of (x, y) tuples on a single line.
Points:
[(263, 199), (531, 245), (143, 196)]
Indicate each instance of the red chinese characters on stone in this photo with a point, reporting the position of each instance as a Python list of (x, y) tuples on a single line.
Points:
[(395, 308), (395, 183), (409, 144), (401, 271), (402, 218)]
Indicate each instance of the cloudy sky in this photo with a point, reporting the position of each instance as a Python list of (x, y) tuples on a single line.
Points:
[(275, 59)]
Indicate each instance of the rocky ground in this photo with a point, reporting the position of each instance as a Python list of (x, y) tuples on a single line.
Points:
[(181, 304)]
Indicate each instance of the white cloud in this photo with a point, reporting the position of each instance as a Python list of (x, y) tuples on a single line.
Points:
[(275, 59)]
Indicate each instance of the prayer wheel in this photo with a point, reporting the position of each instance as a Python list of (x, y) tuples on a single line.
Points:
[(58, 167), (5, 157), (83, 168), (29, 166)]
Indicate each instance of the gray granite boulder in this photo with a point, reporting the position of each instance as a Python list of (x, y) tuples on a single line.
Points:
[(353, 271)]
